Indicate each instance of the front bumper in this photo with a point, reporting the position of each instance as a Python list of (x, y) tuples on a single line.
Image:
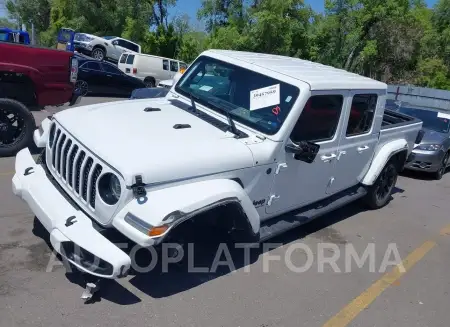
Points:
[(424, 161), (71, 232)]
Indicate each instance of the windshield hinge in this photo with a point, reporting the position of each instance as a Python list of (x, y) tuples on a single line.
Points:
[(139, 187)]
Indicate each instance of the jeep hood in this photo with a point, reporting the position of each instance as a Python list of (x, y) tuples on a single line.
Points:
[(138, 142)]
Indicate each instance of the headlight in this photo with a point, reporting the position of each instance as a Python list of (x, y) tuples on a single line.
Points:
[(429, 147), (109, 188), (51, 137)]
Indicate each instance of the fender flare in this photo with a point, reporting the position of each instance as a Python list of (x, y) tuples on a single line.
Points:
[(180, 203), (385, 153)]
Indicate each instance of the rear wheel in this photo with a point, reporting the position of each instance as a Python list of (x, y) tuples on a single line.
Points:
[(149, 82), (438, 175), (380, 192), (16, 127)]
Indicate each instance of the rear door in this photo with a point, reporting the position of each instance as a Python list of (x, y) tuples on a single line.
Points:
[(126, 64), (122, 62), (174, 68), (358, 139), (118, 82)]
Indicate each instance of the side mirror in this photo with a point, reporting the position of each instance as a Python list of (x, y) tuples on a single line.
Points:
[(115, 42), (304, 151)]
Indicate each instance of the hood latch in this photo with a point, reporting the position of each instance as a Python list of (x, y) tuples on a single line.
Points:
[(139, 187)]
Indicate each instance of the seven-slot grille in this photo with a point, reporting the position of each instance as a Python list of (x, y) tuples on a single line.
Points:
[(75, 167)]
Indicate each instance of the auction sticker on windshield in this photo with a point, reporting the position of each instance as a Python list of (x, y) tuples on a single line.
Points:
[(265, 97)]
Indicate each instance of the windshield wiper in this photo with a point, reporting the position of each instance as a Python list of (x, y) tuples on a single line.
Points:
[(225, 112), (193, 102), (233, 128)]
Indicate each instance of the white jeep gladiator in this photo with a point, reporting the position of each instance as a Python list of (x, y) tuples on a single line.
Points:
[(262, 142)]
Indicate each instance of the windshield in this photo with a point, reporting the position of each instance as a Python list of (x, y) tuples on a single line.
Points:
[(253, 99), (436, 121)]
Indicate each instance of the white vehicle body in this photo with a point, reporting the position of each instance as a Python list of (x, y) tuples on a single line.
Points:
[(167, 83), (171, 163), (148, 68), (107, 47)]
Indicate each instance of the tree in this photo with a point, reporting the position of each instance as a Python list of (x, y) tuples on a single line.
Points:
[(4, 22)]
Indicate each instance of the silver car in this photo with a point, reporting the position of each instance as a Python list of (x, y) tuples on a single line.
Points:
[(432, 153)]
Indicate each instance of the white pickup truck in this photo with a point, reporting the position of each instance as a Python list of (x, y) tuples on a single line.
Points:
[(263, 143)]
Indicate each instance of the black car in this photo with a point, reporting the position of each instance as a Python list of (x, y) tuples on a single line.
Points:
[(103, 78)]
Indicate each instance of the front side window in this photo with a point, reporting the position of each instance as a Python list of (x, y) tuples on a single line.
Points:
[(254, 99), (362, 112), (319, 119), (173, 66)]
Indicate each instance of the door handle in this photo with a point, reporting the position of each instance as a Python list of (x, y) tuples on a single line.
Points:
[(341, 153), (109, 75), (327, 158), (363, 148)]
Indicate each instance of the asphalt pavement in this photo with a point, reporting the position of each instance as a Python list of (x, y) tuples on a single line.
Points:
[(274, 289)]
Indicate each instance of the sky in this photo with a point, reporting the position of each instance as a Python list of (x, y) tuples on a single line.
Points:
[(191, 7)]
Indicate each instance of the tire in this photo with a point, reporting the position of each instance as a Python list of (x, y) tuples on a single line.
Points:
[(149, 82), (380, 192), (82, 86), (98, 54), (17, 125), (440, 173)]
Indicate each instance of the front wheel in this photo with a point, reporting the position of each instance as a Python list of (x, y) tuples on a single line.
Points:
[(98, 54), (16, 127), (438, 175), (380, 192)]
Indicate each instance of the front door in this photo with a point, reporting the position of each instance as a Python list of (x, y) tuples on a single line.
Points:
[(297, 183), (173, 68), (358, 140)]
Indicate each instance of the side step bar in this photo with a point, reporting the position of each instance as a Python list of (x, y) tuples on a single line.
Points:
[(287, 221)]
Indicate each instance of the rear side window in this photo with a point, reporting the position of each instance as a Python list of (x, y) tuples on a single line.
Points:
[(166, 64), (92, 65), (130, 59), (111, 69), (361, 114), (319, 119), (123, 58)]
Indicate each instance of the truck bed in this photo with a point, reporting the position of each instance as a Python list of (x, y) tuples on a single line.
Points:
[(393, 119), (396, 125)]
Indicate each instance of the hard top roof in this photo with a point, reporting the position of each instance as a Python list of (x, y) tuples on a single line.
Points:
[(318, 76)]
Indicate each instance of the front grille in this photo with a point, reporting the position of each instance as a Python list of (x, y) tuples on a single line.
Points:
[(75, 166)]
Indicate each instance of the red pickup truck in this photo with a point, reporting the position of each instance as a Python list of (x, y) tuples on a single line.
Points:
[(30, 79)]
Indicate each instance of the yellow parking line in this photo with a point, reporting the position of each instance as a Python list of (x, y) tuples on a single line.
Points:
[(348, 313), (445, 231)]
